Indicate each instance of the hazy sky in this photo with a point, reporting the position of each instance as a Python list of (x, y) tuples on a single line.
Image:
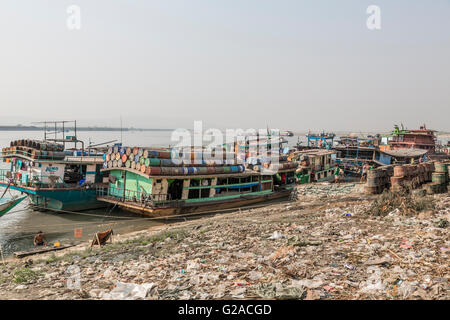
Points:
[(289, 64)]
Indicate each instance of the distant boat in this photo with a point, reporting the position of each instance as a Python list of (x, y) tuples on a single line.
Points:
[(7, 204), (286, 133)]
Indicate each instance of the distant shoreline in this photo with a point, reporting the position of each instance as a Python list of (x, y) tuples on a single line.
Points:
[(33, 128)]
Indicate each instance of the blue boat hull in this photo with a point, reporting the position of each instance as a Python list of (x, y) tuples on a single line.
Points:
[(75, 199), (70, 200)]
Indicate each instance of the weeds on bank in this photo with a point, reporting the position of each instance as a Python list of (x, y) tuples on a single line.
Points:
[(176, 235), (25, 275), (403, 201)]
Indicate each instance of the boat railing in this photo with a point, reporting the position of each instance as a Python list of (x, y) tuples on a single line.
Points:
[(141, 197), (28, 153), (33, 180), (46, 155)]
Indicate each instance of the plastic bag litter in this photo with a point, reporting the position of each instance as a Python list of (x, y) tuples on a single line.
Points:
[(129, 291), (277, 235), (277, 290)]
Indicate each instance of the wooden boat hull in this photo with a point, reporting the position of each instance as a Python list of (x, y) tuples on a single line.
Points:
[(8, 205), (199, 207)]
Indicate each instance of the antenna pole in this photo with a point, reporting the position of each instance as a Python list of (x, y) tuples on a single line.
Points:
[(120, 129)]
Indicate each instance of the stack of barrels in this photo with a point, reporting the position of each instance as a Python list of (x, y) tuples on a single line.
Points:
[(275, 163), (399, 178), (35, 149), (378, 179), (410, 176), (439, 178), (170, 163)]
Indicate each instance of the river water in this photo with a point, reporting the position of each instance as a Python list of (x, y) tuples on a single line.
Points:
[(18, 227)]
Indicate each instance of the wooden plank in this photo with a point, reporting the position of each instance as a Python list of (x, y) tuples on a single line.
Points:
[(26, 253)]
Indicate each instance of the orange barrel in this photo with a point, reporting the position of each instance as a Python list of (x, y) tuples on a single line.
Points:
[(397, 180), (164, 154), (143, 168), (155, 170), (400, 171), (124, 158)]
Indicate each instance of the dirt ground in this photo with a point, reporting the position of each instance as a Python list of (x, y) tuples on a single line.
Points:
[(325, 245)]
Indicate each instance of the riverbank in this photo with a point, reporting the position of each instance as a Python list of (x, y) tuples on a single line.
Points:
[(324, 246)]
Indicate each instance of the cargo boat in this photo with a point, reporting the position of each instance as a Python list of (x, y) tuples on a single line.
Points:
[(53, 177), (156, 183), (315, 165), (422, 138)]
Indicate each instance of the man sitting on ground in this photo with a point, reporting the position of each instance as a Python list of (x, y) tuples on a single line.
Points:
[(39, 239)]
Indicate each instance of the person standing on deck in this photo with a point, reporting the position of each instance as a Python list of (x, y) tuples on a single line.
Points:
[(341, 175), (312, 176), (364, 170), (337, 175)]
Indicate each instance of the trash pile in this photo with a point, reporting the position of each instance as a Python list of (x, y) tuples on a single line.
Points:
[(326, 189), (403, 202), (325, 250)]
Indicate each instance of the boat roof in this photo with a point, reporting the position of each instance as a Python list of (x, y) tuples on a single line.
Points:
[(406, 152), (67, 160), (316, 152), (246, 173)]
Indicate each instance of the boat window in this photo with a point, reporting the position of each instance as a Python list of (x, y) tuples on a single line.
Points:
[(73, 174), (233, 180), (205, 191), (175, 190), (194, 193)]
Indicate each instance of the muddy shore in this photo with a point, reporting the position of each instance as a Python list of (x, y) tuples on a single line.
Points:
[(326, 245)]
